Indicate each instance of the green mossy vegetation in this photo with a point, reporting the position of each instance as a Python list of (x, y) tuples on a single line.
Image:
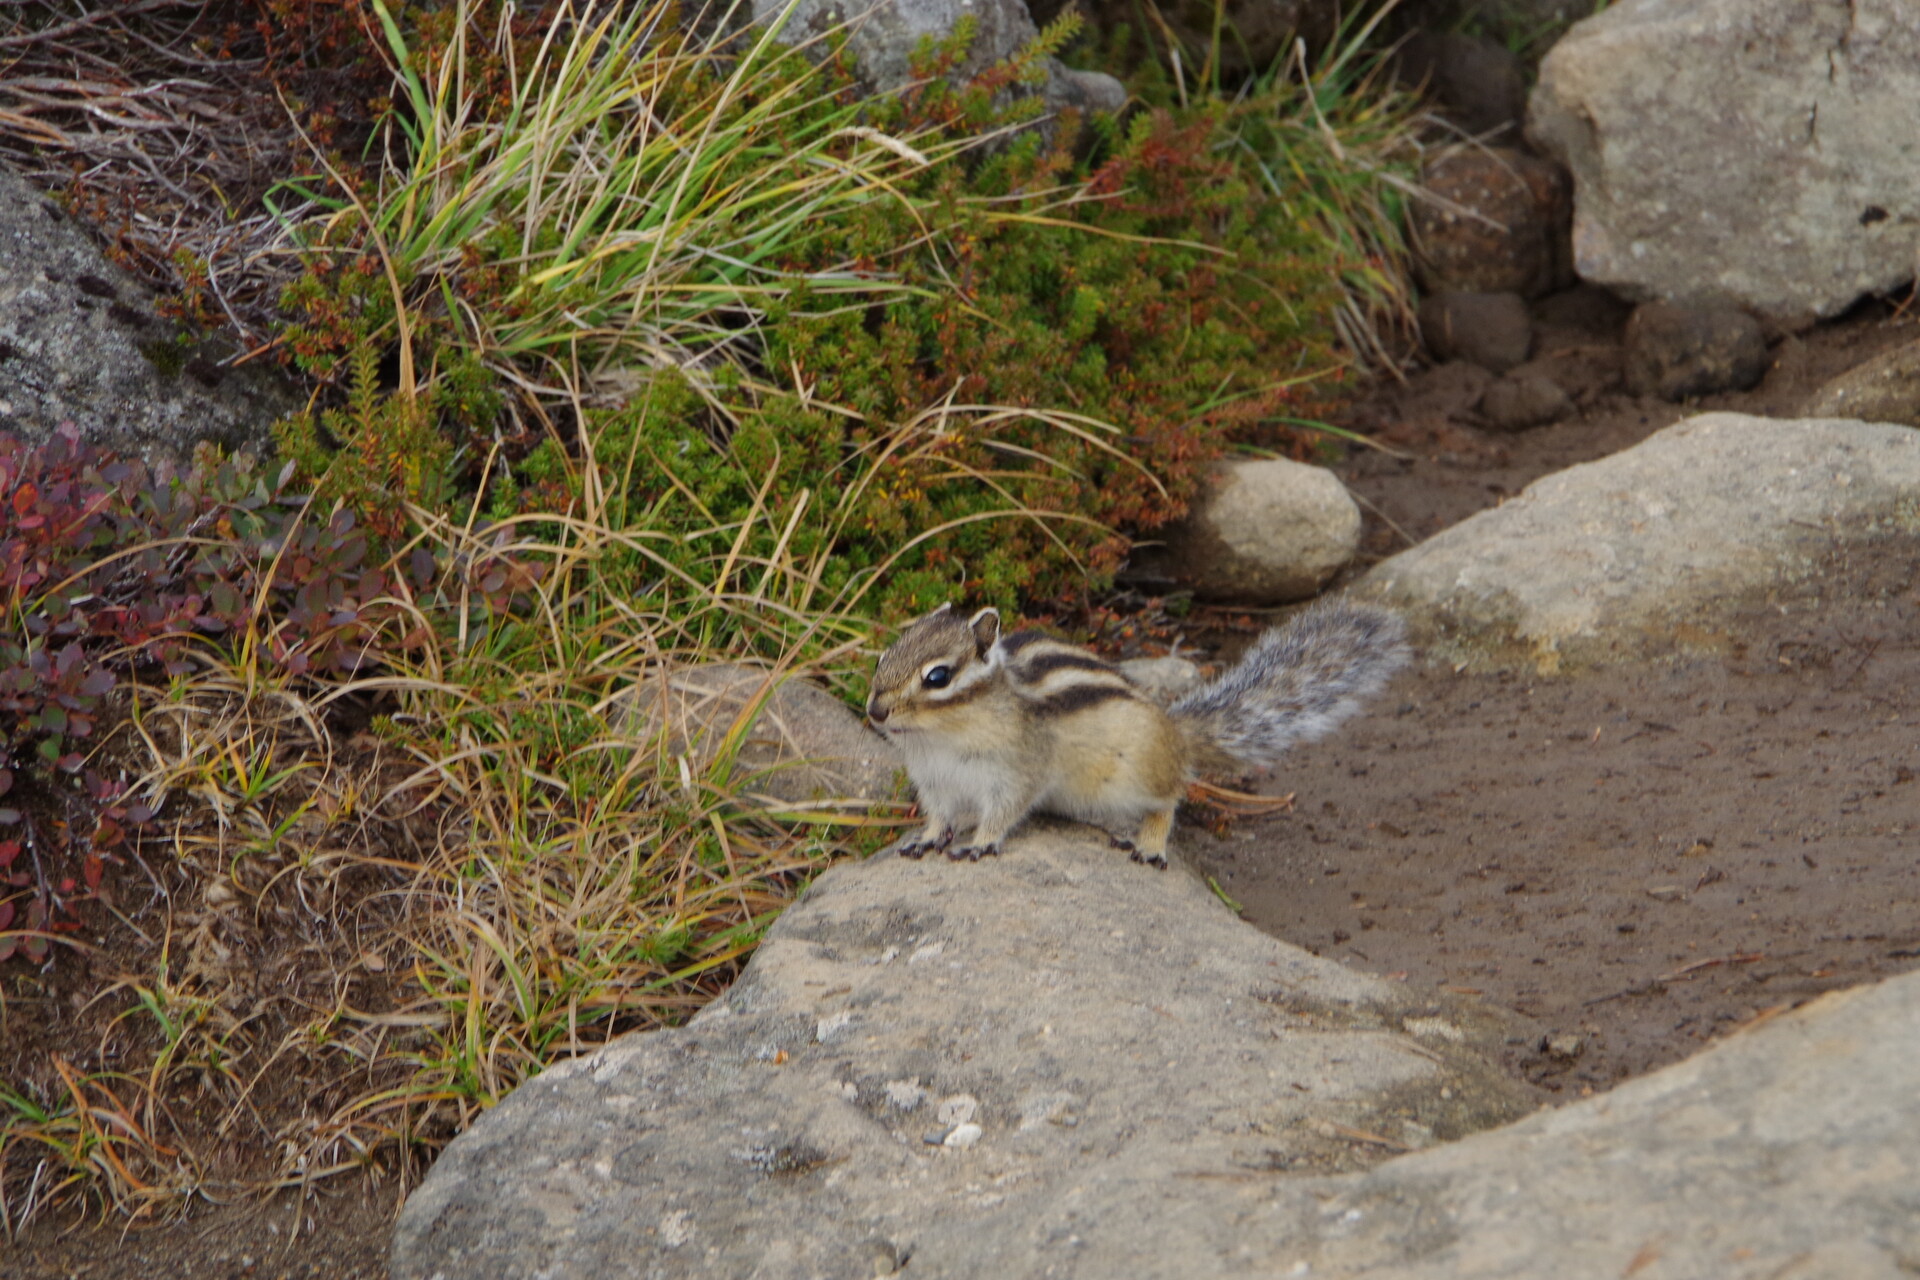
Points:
[(974, 379)]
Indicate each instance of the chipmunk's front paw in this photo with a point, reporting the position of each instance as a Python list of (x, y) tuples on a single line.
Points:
[(974, 852), (916, 848)]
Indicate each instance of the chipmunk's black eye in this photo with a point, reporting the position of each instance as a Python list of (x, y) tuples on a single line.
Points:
[(937, 677)]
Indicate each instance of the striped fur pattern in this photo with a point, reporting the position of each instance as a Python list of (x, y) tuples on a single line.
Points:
[(995, 727), (1297, 683)]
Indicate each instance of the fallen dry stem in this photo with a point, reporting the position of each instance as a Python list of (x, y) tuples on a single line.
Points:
[(172, 152)]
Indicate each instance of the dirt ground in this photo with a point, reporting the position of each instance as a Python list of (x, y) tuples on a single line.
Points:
[(1638, 860)]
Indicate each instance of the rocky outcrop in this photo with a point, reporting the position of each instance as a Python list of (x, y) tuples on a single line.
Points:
[(1061, 1064), (1790, 1151), (1053, 1062), (80, 342), (1267, 531), (1759, 152), (1650, 551)]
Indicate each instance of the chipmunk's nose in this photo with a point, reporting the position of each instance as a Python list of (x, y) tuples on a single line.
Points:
[(876, 713)]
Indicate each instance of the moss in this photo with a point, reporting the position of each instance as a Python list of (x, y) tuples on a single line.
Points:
[(169, 355)]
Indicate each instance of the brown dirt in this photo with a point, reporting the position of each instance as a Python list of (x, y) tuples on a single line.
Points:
[(1639, 859), (340, 1234)]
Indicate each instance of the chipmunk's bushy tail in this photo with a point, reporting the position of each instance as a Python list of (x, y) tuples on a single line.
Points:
[(1297, 682)]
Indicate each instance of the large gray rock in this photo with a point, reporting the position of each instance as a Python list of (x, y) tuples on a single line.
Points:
[(1267, 531), (1884, 389), (1053, 1063), (790, 742), (1761, 152), (1788, 1152), (882, 36), (1646, 552), (80, 341)]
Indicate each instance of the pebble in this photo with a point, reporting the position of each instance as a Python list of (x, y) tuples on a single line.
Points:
[(1565, 1045), (963, 1136), (1523, 399)]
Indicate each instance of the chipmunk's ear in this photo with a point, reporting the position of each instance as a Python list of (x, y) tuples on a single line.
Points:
[(985, 626)]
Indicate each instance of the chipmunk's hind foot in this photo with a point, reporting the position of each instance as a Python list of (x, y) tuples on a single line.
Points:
[(1149, 844)]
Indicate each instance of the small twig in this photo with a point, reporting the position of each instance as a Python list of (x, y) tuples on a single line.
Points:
[(1685, 970), (81, 23), (1362, 1135), (1384, 517)]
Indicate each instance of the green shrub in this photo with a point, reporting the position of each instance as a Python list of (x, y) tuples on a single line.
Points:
[(1056, 337)]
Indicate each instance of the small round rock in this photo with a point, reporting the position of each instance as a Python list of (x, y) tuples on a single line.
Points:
[(963, 1136), (1523, 399)]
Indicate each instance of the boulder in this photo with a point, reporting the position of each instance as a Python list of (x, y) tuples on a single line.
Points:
[(1759, 152), (1491, 330), (794, 743), (1884, 389), (81, 342), (1675, 352), (1495, 221), (883, 34), (1267, 531), (1788, 1150), (1053, 1062), (1651, 551)]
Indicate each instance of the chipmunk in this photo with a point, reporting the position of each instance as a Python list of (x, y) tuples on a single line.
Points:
[(995, 727)]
